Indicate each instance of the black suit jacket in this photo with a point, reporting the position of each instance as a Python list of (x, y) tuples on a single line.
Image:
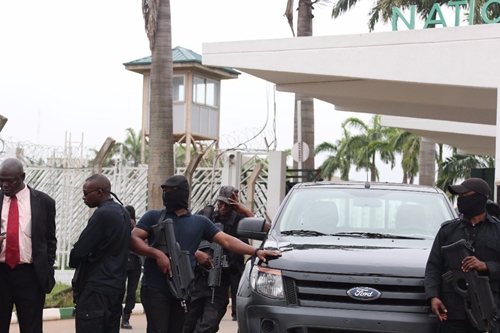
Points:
[(43, 236)]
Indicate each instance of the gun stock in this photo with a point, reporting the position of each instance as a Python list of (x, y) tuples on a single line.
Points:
[(479, 302), (182, 273)]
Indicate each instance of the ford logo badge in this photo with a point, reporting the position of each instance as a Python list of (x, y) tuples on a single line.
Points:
[(364, 293)]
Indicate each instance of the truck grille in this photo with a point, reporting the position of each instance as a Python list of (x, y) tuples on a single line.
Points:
[(330, 291)]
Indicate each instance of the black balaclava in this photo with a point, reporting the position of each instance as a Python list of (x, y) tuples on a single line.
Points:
[(176, 199), (472, 205)]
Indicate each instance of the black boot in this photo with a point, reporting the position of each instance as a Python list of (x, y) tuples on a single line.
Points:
[(125, 323)]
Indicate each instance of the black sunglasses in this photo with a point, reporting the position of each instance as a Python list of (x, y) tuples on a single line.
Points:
[(85, 193)]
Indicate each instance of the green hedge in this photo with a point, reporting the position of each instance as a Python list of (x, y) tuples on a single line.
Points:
[(62, 296)]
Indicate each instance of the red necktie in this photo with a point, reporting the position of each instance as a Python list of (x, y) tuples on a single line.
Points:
[(12, 247)]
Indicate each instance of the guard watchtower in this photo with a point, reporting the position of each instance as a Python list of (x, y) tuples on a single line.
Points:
[(196, 97)]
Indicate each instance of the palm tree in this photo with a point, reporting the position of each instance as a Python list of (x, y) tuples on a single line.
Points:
[(382, 10), (340, 158), (408, 145), (459, 166), (132, 147), (492, 13), (371, 141), (158, 28)]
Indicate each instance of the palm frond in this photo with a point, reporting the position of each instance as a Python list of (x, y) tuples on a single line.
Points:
[(342, 6), (150, 10)]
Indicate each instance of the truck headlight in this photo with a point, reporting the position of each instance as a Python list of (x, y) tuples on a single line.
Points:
[(267, 282)]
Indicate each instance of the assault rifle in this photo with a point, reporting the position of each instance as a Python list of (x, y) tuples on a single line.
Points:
[(219, 260), (218, 257), (478, 298), (182, 273)]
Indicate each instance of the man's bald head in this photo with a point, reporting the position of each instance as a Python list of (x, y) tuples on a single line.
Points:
[(11, 176), (12, 164), (100, 180), (96, 190)]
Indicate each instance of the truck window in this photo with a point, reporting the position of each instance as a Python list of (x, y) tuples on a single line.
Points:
[(365, 210)]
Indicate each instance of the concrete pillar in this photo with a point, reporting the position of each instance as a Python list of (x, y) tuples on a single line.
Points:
[(275, 182)]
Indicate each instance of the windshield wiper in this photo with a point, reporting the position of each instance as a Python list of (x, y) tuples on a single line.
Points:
[(373, 235), (302, 233)]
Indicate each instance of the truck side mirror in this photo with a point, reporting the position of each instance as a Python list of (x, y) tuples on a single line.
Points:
[(252, 227)]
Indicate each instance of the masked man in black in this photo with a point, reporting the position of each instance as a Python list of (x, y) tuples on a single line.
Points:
[(482, 233), (164, 312)]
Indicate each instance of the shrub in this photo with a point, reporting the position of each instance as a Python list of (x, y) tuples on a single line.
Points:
[(60, 297)]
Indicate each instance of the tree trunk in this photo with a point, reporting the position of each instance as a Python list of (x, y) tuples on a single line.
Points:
[(304, 19), (161, 155), (373, 170), (427, 163), (304, 29)]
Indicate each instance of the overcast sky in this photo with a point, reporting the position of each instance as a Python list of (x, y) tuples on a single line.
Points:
[(61, 66)]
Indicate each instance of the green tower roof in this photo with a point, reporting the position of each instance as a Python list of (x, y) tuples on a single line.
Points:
[(179, 55)]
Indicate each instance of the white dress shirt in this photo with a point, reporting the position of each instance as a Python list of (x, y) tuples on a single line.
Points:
[(24, 204)]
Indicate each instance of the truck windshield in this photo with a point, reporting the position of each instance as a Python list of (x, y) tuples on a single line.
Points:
[(349, 211)]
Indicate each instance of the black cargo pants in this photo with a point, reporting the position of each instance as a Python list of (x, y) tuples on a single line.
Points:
[(133, 275), (204, 316), (98, 313)]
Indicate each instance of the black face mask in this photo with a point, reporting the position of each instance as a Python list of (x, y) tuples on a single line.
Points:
[(472, 205), (176, 199)]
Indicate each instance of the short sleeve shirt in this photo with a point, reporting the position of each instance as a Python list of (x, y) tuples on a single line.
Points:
[(189, 230)]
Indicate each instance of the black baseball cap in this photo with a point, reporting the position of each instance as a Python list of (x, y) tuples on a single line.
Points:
[(225, 193), (472, 184), (176, 181)]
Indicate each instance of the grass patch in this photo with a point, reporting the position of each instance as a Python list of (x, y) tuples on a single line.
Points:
[(60, 297)]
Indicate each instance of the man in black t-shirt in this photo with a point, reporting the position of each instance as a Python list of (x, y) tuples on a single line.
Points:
[(100, 256), (164, 312)]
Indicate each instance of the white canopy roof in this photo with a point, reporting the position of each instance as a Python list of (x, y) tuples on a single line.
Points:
[(446, 74)]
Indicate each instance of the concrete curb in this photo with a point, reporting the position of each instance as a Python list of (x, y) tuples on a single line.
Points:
[(67, 313)]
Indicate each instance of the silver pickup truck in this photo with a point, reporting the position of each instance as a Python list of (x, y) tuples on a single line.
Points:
[(354, 257)]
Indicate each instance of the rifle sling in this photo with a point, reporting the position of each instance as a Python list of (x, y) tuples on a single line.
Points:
[(468, 243), (162, 216)]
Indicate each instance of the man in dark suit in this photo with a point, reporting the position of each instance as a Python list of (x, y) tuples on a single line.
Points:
[(28, 250)]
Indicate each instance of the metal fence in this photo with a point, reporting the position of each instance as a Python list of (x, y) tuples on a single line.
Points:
[(130, 185)]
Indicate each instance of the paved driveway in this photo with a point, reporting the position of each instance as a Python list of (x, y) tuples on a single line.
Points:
[(138, 323)]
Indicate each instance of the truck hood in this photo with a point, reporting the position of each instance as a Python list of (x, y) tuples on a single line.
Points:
[(351, 255)]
